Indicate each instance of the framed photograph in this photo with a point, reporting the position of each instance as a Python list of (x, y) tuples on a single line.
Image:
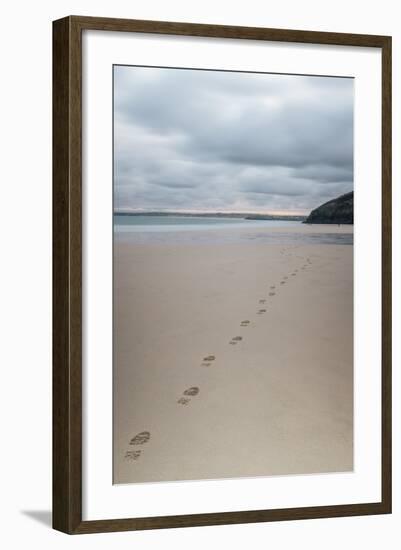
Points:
[(222, 274)]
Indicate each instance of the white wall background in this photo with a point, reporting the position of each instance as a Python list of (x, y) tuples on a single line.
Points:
[(25, 253)]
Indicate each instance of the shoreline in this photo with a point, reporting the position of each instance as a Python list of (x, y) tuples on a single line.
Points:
[(294, 234), (300, 227)]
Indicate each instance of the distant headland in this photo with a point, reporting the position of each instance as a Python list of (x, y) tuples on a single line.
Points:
[(236, 215), (335, 211)]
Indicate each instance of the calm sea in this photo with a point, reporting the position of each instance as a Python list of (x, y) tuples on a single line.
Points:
[(184, 229)]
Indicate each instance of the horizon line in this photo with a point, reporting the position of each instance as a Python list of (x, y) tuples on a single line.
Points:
[(220, 211)]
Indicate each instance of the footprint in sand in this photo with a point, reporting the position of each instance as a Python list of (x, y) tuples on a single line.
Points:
[(207, 361), (140, 438), (235, 340), (285, 277), (190, 392), (272, 293), (132, 455), (183, 401), (262, 301), (273, 287), (244, 323), (260, 312), (293, 274), (282, 283)]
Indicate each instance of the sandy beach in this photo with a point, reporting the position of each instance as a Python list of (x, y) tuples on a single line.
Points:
[(235, 359)]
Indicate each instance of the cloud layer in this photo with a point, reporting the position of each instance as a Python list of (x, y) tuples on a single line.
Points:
[(212, 140)]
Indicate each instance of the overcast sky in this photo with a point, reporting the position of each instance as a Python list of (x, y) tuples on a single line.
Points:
[(212, 140)]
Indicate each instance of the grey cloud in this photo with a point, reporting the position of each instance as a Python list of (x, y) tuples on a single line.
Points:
[(207, 140)]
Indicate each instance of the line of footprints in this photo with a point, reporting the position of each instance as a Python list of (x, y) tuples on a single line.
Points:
[(143, 437)]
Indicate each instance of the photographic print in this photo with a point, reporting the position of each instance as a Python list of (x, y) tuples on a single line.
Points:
[(233, 274), (221, 352)]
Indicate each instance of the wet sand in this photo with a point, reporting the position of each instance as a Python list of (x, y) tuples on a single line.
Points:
[(232, 360)]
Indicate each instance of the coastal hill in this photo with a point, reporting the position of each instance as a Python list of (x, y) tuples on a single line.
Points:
[(339, 210)]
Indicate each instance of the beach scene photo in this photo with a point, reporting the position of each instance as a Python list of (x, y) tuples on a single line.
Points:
[(232, 274)]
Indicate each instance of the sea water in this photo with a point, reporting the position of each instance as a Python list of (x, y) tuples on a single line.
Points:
[(183, 229)]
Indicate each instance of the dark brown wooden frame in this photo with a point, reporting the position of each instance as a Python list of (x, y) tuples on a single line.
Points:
[(67, 281)]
